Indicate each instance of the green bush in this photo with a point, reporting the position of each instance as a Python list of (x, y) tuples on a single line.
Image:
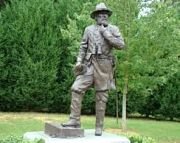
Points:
[(141, 139), (29, 46), (13, 139), (34, 58)]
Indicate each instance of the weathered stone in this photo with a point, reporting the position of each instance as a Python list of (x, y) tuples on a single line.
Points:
[(89, 137), (56, 130)]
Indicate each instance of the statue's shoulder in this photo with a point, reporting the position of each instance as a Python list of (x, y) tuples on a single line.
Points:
[(90, 27), (113, 27)]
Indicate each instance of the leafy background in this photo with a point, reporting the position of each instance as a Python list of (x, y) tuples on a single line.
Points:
[(39, 41)]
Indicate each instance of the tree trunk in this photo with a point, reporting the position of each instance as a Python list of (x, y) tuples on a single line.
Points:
[(124, 127)]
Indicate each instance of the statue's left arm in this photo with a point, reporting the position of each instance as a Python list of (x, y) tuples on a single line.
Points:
[(114, 38)]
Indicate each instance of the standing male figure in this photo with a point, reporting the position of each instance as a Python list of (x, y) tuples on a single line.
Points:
[(94, 66)]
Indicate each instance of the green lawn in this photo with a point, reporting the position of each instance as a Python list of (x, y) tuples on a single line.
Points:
[(19, 123)]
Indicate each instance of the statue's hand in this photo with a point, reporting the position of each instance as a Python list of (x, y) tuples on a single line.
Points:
[(102, 29), (104, 23), (78, 66)]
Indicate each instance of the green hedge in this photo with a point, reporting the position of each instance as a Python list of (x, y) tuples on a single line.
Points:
[(31, 51)]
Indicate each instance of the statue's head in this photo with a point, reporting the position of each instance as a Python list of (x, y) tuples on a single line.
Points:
[(101, 14)]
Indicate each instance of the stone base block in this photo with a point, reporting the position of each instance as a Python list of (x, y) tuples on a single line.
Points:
[(89, 137), (56, 130)]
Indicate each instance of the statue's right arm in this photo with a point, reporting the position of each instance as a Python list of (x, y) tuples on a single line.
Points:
[(83, 47)]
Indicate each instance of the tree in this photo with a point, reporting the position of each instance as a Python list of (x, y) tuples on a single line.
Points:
[(125, 14), (158, 50), (34, 61)]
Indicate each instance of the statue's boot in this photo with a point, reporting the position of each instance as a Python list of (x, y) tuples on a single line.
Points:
[(101, 99), (74, 119)]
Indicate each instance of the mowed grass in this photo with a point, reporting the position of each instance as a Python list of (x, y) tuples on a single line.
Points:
[(19, 123)]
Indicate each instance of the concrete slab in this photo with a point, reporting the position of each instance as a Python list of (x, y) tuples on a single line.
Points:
[(88, 138)]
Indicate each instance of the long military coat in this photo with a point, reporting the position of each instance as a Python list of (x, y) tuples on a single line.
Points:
[(96, 53)]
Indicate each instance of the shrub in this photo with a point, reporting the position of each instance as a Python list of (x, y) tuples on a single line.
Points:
[(13, 139), (141, 139)]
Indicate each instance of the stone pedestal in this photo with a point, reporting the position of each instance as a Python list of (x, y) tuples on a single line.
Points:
[(56, 130), (89, 137)]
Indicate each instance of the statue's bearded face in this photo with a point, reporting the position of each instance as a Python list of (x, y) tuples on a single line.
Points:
[(102, 18)]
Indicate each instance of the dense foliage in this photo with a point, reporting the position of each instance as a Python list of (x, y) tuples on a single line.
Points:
[(39, 41)]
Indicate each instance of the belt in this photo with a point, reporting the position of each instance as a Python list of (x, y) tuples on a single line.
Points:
[(101, 56)]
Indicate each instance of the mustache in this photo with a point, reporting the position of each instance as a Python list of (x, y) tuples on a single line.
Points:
[(103, 19)]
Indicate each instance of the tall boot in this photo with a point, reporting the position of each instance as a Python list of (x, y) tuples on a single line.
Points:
[(101, 99), (74, 119)]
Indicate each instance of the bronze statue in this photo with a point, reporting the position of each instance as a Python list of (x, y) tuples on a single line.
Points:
[(94, 66)]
